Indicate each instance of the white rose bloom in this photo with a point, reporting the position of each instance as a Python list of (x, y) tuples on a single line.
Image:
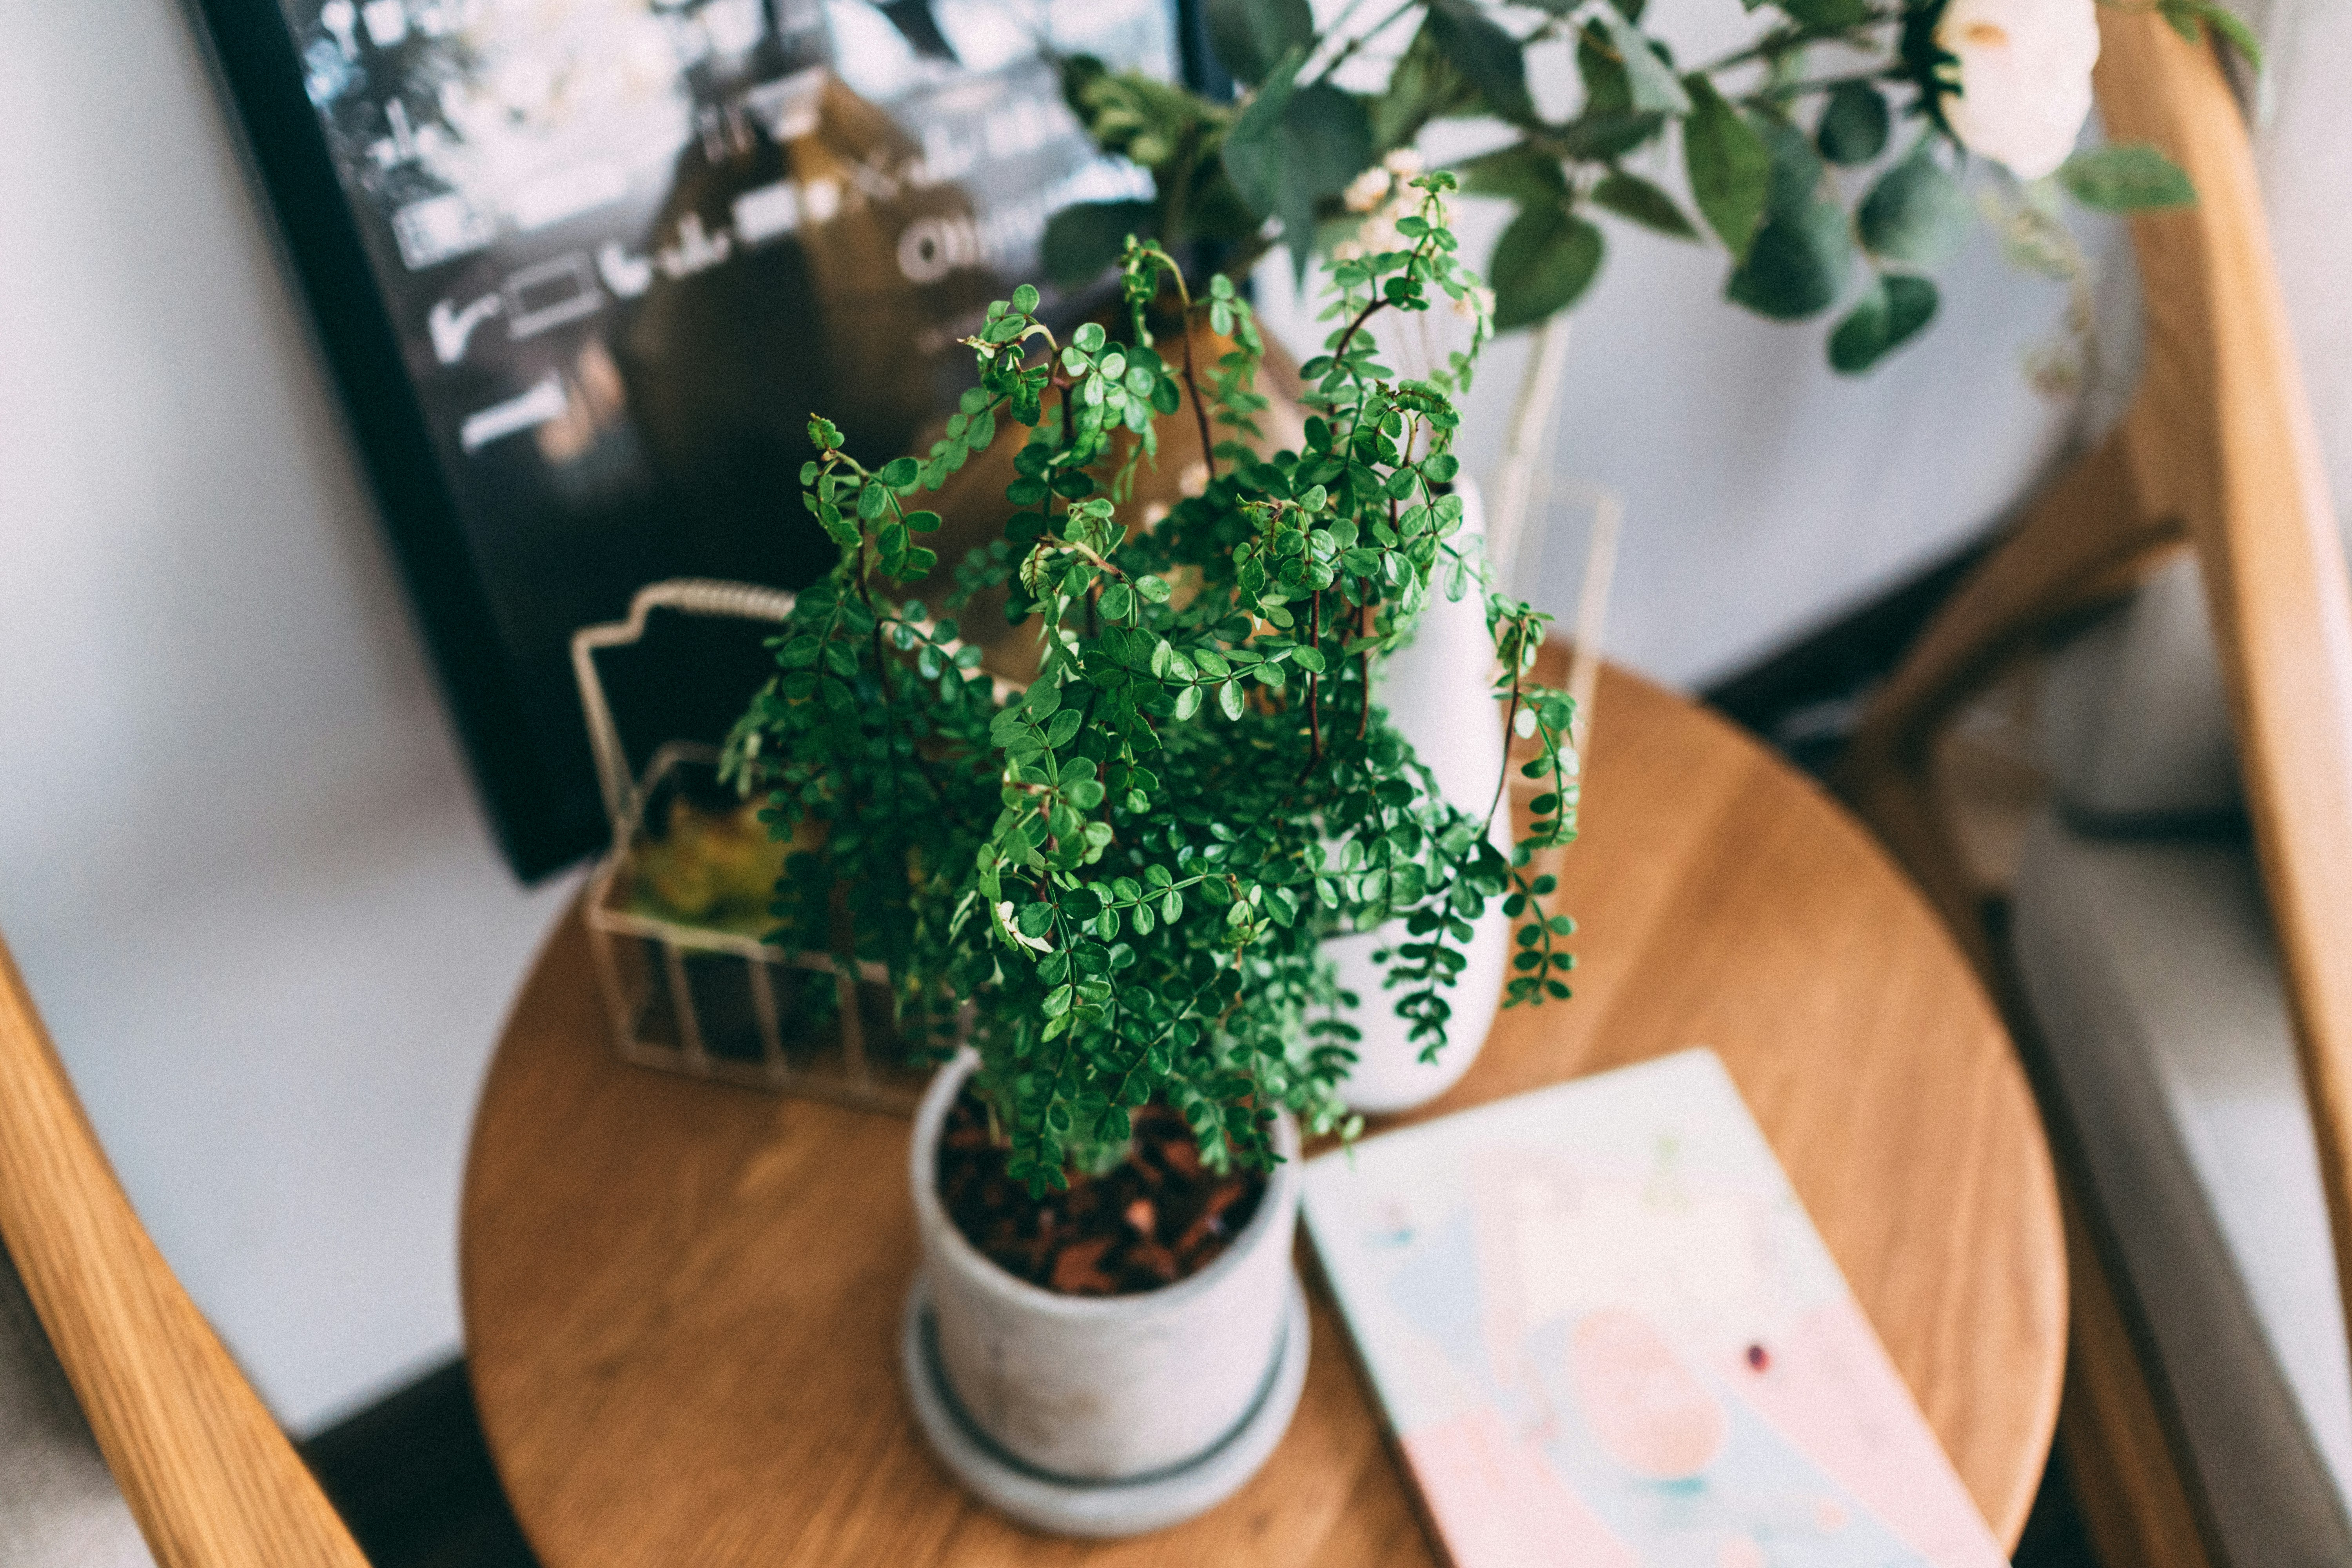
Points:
[(2025, 78)]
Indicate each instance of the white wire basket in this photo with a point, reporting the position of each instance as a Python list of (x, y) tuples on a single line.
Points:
[(702, 992)]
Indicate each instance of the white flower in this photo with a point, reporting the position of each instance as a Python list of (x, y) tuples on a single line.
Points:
[(1404, 162), (2025, 78), (1475, 304), (1367, 189), (1378, 234)]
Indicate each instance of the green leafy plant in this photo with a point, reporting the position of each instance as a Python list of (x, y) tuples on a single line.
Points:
[(1821, 157), (1117, 881)]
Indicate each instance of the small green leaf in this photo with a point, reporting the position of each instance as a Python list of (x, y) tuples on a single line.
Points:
[(1187, 701), (1730, 168), (1543, 263), (1893, 309), (1917, 213), (1229, 699), (1853, 124), (1631, 196), (2132, 177)]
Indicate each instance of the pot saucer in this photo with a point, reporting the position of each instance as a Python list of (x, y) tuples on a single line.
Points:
[(1070, 1505)]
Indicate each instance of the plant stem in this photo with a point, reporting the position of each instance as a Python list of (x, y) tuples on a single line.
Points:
[(1361, 317), (1819, 84), (1510, 723), (1349, 49), (1313, 684), (1795, 38)]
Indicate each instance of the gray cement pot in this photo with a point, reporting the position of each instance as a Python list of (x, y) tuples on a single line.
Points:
[(1102, 1415)]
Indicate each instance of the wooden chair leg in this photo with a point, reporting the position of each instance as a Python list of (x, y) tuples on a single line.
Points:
[(2135, 1499), (2086, 541)]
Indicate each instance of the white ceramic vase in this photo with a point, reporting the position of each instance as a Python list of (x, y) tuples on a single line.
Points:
[(1437, 691), (1102, 1415)]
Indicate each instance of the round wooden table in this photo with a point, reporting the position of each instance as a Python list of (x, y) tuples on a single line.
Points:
[(682, 1300)]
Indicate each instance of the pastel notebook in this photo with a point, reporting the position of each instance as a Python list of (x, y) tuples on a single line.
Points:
[(1606, 1334)]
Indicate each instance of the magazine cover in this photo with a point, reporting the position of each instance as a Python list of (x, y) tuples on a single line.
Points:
[(1604, 1332)]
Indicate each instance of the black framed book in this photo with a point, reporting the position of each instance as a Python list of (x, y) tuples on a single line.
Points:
[(584, 268)]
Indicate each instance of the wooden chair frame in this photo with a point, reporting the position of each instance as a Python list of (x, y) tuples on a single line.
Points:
[(2217, 453), (209, 1477)]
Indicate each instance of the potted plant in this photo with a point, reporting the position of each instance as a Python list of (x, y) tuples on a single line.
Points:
[(1116, 885), (1835, 157)]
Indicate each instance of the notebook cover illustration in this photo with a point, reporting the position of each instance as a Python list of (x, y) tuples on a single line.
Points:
[(1606, 1334)]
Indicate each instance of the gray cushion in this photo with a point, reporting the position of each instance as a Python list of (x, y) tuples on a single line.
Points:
[(58, 1507), (2150, 973), (2136, 726)]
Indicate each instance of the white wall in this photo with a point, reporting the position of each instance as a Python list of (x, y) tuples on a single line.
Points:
[(239, 859)]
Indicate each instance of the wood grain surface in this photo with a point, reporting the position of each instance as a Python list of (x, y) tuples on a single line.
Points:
[(209, 1477), (682, 1300)]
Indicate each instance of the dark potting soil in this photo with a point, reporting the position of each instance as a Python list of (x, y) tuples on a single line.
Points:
[(1156, 1217)]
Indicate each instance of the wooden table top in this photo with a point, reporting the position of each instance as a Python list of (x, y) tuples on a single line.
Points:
[(682, 1300)]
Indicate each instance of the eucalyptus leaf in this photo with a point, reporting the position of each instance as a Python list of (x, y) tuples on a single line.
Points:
[(1607, 88), (1293, 146), (1520, 172), (1798, 265), (1487, 56), (1917, 213), (2185, 15), (1650, 81), (1853, 124), (1425, 86), (1895, 308), (1543, 263), (1631, 197), (2129, 177), (1797, 170), (1600, 134), (1083, 240), (1730, 167), (1827, 15), (1252, 36)]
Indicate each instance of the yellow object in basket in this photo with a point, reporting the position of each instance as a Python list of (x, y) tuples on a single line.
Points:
[(710, 869)]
